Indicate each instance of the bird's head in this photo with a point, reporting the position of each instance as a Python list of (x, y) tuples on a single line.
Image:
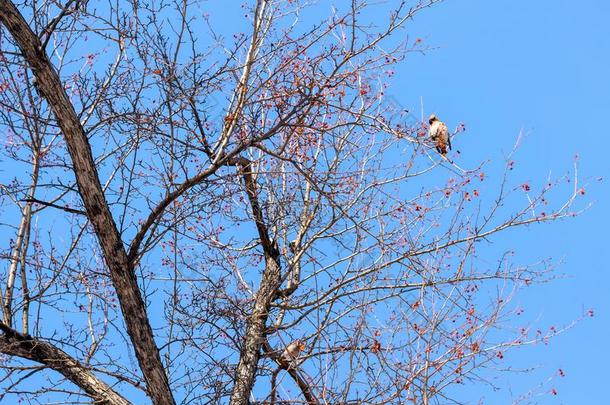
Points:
[(301, 345), (432, 119)]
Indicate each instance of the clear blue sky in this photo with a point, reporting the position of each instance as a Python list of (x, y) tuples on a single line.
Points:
[(543, 67)]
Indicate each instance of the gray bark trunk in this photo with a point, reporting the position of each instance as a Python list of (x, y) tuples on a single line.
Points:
[(245, 374), (255, 334)]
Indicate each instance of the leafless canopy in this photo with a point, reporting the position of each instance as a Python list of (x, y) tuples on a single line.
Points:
[(182, 198)]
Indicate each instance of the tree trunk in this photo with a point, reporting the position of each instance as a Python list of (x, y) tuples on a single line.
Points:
[(270, 284), (255, 334), (121, 270)]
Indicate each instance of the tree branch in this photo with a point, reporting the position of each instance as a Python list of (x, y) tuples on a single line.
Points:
[(292, 371), (14, 343)]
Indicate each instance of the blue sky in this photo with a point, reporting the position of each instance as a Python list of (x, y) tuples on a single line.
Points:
[(540, 67)]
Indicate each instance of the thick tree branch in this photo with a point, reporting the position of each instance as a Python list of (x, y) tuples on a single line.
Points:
[(292, 371), (14, 343), (269, 286), (122, 273)]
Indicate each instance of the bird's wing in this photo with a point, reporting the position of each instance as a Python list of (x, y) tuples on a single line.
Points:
[(443, 132)]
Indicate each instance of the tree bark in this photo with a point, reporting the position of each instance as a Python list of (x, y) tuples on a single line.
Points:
[(255, 334), (270, 284), (269, 289), (14, 343), (98, 212)]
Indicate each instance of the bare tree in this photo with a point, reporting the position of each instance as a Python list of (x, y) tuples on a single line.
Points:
[(246, 212)]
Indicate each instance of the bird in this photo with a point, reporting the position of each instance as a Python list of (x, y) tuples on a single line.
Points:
[(293, 350), (439, 134)]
